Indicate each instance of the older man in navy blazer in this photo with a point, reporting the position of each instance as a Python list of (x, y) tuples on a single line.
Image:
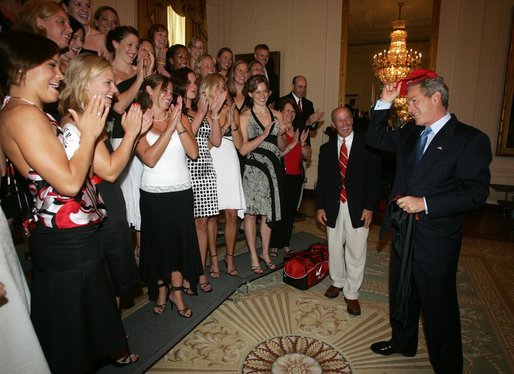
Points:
[(442, 171), (346, 196)]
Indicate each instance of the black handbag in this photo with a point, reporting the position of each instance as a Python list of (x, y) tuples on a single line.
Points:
[(16, 200)]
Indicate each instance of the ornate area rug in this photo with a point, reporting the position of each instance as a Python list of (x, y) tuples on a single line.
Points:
[(269, 327)]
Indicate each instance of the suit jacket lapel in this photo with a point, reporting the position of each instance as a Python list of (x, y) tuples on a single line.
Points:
[(410, 150), (354, 152), (334, 154)]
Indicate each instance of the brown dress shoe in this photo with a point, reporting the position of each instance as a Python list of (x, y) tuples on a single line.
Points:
[(353, 307), (332, 292)]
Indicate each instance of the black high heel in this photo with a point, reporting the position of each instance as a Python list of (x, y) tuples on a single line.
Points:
[(232, 272), (270, 265), (186, 312), (188, 290), (160, 308), (214, 274)]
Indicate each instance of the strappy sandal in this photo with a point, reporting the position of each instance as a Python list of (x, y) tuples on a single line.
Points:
[(214, 274), (205, 287), (270, 265), (257, 269), (186, 312), (127, 360), (188, 290), (273, 252), (288, 250), (232, 272), (160, 308)]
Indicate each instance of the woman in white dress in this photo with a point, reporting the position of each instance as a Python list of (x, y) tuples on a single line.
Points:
[(228, 176)]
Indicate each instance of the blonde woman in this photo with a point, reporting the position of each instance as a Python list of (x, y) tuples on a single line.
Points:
[(205, 123), (196, 49), (204, 66), (89, 75), (47, 18), (228, 174)]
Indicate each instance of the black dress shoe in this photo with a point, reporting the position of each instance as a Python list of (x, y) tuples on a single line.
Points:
[(388, 348)]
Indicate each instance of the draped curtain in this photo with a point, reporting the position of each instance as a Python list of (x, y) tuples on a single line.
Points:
[(154, 11)]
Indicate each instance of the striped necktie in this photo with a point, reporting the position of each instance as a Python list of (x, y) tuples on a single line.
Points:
[(343, 162)]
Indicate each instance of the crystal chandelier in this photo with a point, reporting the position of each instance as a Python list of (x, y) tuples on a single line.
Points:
[(397, 62), (394, 64)]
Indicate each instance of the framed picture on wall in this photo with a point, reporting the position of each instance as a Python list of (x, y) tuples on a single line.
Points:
[(505, 146)]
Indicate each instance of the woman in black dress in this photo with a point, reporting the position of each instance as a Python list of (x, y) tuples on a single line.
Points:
[(73, 308), (123, 41)]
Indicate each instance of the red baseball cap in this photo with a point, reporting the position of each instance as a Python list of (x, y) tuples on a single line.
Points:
[(415, 77)]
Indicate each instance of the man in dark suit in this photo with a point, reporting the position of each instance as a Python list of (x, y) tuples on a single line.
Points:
[(306, 116), (346, 196), (261, 54), (441, 172)]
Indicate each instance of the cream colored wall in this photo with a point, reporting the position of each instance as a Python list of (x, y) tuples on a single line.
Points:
[(307, 34), (472, 54), (472, 57), (127, 10)]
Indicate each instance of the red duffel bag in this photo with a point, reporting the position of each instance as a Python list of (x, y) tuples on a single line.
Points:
[(304, 269)]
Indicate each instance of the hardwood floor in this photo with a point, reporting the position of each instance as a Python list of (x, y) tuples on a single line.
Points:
[(489, 222)]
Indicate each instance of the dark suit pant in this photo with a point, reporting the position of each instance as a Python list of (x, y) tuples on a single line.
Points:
[(434, 293), (291, 191)]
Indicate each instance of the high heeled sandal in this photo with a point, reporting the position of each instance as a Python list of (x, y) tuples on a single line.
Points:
[(205, 287), (160, 308), (234, 271), (288, 251), (127, 360), (273, 252), (186, 312), (214, 274), (257, 269), (270, 265), (188, 290)]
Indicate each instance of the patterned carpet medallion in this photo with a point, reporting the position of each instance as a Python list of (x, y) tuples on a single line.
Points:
[(295, 354), (269, 327)]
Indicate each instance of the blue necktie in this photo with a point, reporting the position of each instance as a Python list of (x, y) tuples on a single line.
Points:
[(422, 142)]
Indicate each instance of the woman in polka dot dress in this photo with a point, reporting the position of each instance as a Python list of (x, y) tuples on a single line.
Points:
[(205, 124)]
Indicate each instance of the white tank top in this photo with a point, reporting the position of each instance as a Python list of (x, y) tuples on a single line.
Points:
[(170, 173)]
